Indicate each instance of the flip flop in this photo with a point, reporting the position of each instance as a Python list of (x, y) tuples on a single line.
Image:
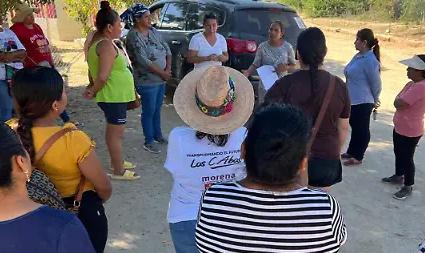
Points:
[(128, 165), (128, 175)]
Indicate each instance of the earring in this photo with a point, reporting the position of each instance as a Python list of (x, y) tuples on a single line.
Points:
[(27, 175)]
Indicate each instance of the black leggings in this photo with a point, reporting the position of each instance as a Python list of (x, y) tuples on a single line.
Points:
[(360, 133), (404, 150), (92, 215)]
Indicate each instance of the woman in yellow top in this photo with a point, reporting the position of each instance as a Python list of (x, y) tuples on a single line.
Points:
[(40, 98), (113, 86)]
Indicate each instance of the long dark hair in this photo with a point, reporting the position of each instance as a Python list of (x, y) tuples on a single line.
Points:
[(311, 46), (219, 140), (276, 144), (367, 35), (10, 146), (105, 16), (34, 91)]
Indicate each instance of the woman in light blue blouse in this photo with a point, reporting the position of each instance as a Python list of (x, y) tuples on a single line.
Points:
[(364, 85)]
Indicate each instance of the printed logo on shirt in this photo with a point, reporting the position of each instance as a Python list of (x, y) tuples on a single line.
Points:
[(210, 180), (9, 45), (215, 160)]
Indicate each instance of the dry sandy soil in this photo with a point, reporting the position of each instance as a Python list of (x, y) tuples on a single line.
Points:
[(376, 222)]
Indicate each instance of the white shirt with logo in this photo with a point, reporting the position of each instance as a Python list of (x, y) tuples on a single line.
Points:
[(200, 44), (195, 165), (9, 42)]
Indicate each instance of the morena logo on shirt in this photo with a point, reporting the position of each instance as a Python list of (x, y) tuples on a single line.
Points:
[(216, 162)]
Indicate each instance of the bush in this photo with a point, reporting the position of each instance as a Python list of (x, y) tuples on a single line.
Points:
[(408, 10)]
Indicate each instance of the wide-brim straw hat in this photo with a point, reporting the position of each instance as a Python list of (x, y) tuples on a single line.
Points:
[(211, 86), (22, 11), (415, 63)]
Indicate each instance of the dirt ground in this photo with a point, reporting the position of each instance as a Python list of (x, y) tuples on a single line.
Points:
[(376, 222)]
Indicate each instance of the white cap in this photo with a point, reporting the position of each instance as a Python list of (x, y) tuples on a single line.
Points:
[(415, 63)]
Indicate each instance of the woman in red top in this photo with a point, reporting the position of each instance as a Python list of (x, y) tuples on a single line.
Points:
[(32, 37), (35, 42)]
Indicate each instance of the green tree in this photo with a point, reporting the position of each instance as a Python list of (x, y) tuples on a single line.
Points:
[(83, 10), (8, 5)]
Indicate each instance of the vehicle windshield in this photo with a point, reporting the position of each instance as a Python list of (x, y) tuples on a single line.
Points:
[(254, 24)]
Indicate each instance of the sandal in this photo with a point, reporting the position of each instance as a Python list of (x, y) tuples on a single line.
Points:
[(352, 162), (127, 175), (128, 165), (346, 156)]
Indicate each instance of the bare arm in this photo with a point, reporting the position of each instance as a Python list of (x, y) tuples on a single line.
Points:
[(107, 54), (92, 169), (193, 57), (343, 125), (19, 55), (249, 71), (400, 104), (224, 57)]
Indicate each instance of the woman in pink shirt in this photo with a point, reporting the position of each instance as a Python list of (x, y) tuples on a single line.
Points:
[(408, 125)]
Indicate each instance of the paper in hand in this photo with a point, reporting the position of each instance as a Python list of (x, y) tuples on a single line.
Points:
[(268, 76)]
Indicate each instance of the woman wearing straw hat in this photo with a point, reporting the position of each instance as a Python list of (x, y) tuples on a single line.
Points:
[(408, 125), (215, 102), (32, 36), (35, 42)]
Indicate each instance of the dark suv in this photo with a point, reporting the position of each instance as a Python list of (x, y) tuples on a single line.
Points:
[(244, 24)]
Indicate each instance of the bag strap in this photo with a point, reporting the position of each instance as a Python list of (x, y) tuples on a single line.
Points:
[(43, 150), (79, 193), (323, 108)]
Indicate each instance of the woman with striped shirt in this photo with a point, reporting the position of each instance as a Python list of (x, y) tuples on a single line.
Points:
[(271, 210)]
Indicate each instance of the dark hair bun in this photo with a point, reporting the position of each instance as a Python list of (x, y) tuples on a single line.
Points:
[(104, 5)]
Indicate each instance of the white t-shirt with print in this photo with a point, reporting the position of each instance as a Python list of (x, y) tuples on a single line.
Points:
[(199, 43), (195, 165), (9, 42)]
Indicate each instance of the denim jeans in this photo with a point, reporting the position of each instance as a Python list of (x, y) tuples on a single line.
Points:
[(152, 97), (5, 102), (183, 236)]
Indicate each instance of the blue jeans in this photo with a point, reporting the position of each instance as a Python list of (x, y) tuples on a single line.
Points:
[(152, 98), (183, 236), (5, 102)]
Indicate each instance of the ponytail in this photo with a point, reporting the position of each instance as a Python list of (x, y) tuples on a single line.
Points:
[(24, 131), (367, 35), (311, 46)]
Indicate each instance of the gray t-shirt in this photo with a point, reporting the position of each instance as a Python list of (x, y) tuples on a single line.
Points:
[(270, 55), (145, 50)]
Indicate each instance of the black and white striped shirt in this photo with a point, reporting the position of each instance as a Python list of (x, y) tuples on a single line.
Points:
[(233, 218)]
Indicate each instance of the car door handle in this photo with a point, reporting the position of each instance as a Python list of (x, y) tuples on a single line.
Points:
[(176, 42)]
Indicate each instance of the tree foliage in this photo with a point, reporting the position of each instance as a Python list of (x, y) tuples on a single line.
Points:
[(408, 10), (83, 10), (8, 5)]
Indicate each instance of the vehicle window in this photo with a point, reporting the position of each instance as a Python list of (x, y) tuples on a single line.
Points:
[(258, 22), (196, 15), (157, 13), (174, 17)]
